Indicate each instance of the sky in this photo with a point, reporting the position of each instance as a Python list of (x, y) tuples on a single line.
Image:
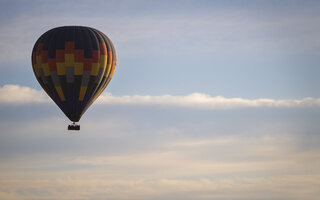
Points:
[(212, 100)]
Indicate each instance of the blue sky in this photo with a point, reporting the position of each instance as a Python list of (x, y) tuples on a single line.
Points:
[(248, 49), (209, 100)]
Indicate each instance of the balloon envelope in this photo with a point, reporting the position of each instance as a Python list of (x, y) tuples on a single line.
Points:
[(73, 64)]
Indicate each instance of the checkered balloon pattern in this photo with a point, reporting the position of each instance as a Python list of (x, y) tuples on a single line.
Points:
[(73, 64)]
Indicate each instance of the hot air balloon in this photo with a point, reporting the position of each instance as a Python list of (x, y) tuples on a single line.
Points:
[(73, 64)]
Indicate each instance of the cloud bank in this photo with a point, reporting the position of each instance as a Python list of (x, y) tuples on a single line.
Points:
[(15, 94), (147, 153), (200, 100), (218, 168)]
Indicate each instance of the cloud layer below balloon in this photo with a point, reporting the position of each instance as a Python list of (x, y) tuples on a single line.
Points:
[(16, 95)]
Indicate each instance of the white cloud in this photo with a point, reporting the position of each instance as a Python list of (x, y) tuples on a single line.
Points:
[(15, 94), (200, 100)]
